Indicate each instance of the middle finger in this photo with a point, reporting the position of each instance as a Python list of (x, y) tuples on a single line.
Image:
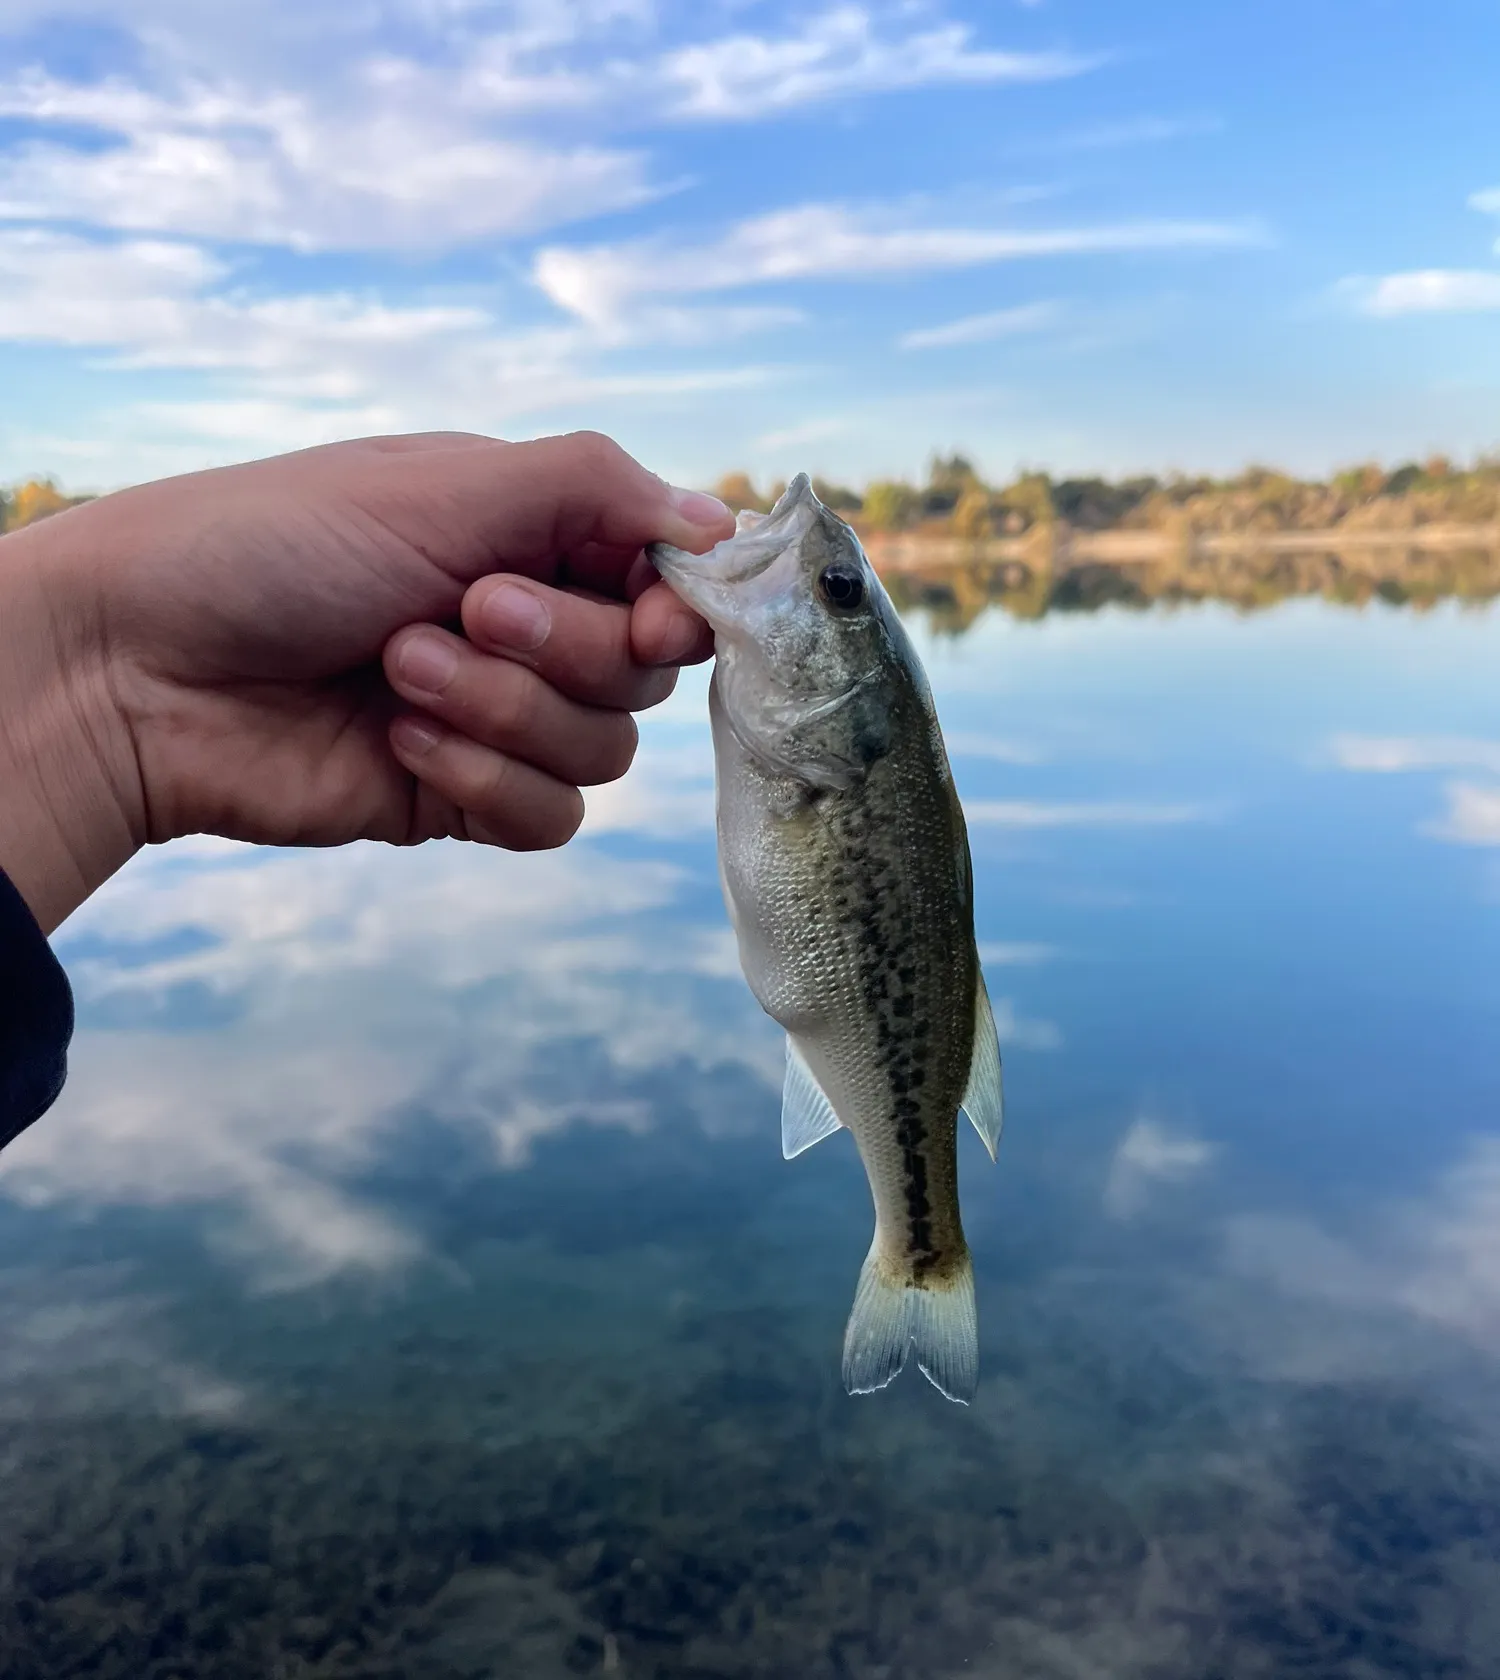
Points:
[(580, 645)]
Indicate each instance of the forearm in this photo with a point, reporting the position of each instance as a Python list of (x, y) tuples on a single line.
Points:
[(69, 802)]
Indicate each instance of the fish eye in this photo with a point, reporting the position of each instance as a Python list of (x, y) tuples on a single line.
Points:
[(841, 588)]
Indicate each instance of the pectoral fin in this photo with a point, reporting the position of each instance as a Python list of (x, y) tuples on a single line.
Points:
[(982, 1101), (806, 1113)]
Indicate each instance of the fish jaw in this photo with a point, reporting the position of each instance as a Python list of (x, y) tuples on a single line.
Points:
[(803, 681), (735, 577)]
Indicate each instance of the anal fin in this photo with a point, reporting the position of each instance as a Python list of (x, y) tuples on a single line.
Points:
[(983, 1100), (807, 1116)]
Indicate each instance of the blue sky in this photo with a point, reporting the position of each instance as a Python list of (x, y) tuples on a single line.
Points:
[(1083, 235)]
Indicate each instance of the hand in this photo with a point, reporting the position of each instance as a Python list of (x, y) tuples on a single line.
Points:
[(228, 652)]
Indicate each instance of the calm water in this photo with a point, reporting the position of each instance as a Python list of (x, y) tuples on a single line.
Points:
[(410, 1283)]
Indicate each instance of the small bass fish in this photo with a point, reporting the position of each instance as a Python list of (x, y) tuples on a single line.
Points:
[(845, 866)]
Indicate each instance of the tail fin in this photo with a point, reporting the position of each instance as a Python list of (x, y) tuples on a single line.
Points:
[(892, 1313)]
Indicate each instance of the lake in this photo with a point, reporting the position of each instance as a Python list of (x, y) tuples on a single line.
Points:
[(409, 1282)]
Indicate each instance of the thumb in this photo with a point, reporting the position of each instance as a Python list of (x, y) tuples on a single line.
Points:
[(520, 507)]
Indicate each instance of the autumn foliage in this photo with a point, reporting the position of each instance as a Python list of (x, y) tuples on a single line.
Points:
[(35, 499)]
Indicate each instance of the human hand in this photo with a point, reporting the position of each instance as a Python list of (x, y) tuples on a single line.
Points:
[(227, 652)]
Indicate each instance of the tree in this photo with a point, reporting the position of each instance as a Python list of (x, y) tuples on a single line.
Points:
[(34, 500), (948, 477), (972, 514), (890, 505), (1031, 497), (835, 496), (737, 492)]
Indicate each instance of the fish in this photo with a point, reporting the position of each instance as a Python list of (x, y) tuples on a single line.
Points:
[(845, 865)]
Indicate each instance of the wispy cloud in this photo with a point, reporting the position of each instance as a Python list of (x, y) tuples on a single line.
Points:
[(363, 148), (980, 329), (304, 369), (1028, 813), (1427, 291), (975, 743), (806, 431), (342, 992), (1472, 813), (1134, 131), (1434, 1256), (831, 241), (353, 168), (843, 51), (1149, 1155), (1001, 953), (1390, 754), (1472, 817)]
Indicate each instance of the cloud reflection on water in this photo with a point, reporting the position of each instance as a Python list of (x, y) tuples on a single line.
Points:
[(352, 988), (1472, 815)]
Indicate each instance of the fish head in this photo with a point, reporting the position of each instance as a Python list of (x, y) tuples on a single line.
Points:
[(811, 654)]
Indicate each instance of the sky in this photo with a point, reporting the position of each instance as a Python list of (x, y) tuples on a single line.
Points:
[(1076, 234)]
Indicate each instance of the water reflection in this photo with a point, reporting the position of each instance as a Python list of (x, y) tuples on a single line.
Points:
[(956, 582), (410, 1282)]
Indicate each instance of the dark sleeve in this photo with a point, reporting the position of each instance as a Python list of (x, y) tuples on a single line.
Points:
[(36, 1017)]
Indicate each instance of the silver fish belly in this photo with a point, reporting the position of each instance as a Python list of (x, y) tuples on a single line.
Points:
[(846, 872)]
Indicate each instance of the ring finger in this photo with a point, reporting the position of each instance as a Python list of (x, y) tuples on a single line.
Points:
[(508, 707)]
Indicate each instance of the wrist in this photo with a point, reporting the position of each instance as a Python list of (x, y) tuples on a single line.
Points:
[(70, 806)]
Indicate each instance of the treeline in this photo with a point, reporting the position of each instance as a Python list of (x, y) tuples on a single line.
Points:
[(33, 500), (956, 501)]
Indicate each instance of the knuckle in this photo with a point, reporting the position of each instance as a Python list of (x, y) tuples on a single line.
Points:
[(594, 449), (478, 780), (513, 703)]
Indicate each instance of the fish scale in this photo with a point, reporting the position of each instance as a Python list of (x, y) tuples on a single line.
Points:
[(846, 872)]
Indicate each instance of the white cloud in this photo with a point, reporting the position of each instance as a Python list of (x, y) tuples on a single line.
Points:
[(669, 791), (1151, 1154), (981, 329), (1002, 953), (806, 431), (293, 370), (1488, 201), (351, 167), (840, 52), (973, 743), (1022, 1032), (830, 241), (1429, 291), (335, 141), (1396, 753), (342, 991), (1434, 1257), (1030, 813), (1472, 817), (1108, 137)]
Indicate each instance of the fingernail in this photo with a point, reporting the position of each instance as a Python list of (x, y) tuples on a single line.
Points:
[(516, 617), (680, 635), (697, 507), (415, 736), (427, 663)]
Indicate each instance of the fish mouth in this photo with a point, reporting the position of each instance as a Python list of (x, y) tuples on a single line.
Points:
[(705, 580)]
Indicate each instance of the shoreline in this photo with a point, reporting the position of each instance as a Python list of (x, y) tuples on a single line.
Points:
[(1058, 546)]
